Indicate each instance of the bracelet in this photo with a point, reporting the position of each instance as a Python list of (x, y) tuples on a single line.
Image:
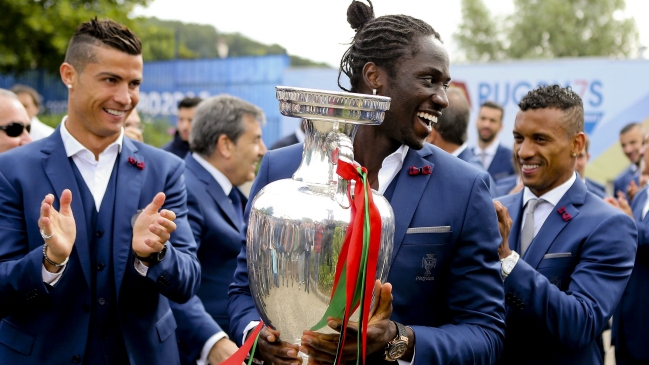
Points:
[(52, 262)]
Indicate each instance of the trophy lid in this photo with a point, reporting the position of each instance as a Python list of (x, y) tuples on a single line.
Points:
[(332, 106)]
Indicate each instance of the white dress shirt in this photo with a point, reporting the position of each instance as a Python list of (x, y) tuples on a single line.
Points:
[(96, 174), (460, 149), (546, 203), (39, 130), (389, 169), (488, 152), (226, 185)]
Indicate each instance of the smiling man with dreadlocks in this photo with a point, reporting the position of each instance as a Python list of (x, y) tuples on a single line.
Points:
[(448, 293)]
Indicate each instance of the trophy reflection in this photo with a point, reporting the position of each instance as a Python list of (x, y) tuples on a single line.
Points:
[(297, 226)]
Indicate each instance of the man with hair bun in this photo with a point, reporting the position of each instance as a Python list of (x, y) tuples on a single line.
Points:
[(456, 313), (94, 231), (569, 254)]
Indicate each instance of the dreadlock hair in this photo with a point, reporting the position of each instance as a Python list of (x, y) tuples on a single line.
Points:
[(381, 40), (104, 32), (557, 97)]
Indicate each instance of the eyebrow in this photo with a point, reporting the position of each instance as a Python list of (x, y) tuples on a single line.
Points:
[(436, 72), (116, 76)]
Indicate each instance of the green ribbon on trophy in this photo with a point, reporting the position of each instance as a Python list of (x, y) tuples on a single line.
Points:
[(356, 267)]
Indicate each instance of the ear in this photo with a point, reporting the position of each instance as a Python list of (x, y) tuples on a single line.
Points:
[(68, 74), (224, 146), (373, 77), (578, 143)]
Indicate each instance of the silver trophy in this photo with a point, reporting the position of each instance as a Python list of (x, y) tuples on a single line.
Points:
[(297, 226)]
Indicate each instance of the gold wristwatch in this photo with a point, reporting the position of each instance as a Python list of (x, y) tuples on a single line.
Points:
[(397, 347)]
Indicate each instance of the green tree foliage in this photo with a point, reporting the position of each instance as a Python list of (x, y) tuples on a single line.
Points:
[(160, 37), (548, 29), (35, 33), (478, 34)]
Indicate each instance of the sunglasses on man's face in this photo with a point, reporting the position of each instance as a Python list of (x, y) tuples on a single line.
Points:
[(14, 129)]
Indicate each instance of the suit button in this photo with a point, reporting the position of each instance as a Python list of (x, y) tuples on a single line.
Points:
[(76, 359), (100, 266), (508, 296), (101, 301), (99, 233), (86, 307)]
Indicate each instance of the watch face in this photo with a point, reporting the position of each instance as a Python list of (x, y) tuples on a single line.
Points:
[(397, 349), (508, 265)]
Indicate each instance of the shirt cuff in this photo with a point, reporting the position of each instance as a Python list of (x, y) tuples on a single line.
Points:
[(249, 327), (140, 267), (208, 347), (51, 278)]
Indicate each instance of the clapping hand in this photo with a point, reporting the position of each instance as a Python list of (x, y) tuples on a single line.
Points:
[(152, 228), (58, 229)]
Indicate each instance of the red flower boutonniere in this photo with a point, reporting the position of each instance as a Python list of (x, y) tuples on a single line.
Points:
[(426, 170), (564, 214), (139, 164)]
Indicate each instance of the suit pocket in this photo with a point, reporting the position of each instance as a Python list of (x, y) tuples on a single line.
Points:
[(427, 235), (15, 339), (557, 269), (166, 325)]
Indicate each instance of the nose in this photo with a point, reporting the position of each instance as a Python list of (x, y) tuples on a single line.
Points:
[(524, 150), (25, 137), (262, 148), (440, 98), (123, 95)]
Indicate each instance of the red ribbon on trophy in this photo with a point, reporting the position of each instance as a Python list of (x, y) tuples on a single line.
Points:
[(356, 267), (240, 356)]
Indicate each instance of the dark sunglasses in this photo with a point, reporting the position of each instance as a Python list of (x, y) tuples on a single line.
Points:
[(14, 129)]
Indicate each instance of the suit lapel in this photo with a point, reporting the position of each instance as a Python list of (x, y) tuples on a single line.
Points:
[(641, 198), (555, 223), (59, 171), (130, 181), (408, 193), (516, 214), (214, 190)]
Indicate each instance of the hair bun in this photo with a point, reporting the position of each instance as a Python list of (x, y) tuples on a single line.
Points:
[(358, 14)]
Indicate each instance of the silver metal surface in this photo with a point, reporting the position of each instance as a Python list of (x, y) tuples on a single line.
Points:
[(297, 226), (332, 106)]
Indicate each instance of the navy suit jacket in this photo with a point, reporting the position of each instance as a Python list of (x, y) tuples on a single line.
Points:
[(501, 165), (596, 188), (631, 320), (562, 292), (457, 317), (623, 180), (44, 324), (466, 155), (218, 235)]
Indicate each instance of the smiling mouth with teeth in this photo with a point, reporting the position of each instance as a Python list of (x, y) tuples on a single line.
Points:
[(427, 117), (117, 113)]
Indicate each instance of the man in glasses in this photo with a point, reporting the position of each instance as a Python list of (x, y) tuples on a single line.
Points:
[(14, 122)]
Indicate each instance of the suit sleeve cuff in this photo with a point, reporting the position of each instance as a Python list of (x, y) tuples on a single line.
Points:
[(140, 267), (249, 327), (208, 347), (51, 278)]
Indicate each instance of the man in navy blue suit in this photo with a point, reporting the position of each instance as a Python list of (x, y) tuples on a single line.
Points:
[(631, 319), (88, 261), (449, 133), (179, 146), (226, 146), (580, 166), (495, 158), (576, 251), (628, 181), (458, 316)]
